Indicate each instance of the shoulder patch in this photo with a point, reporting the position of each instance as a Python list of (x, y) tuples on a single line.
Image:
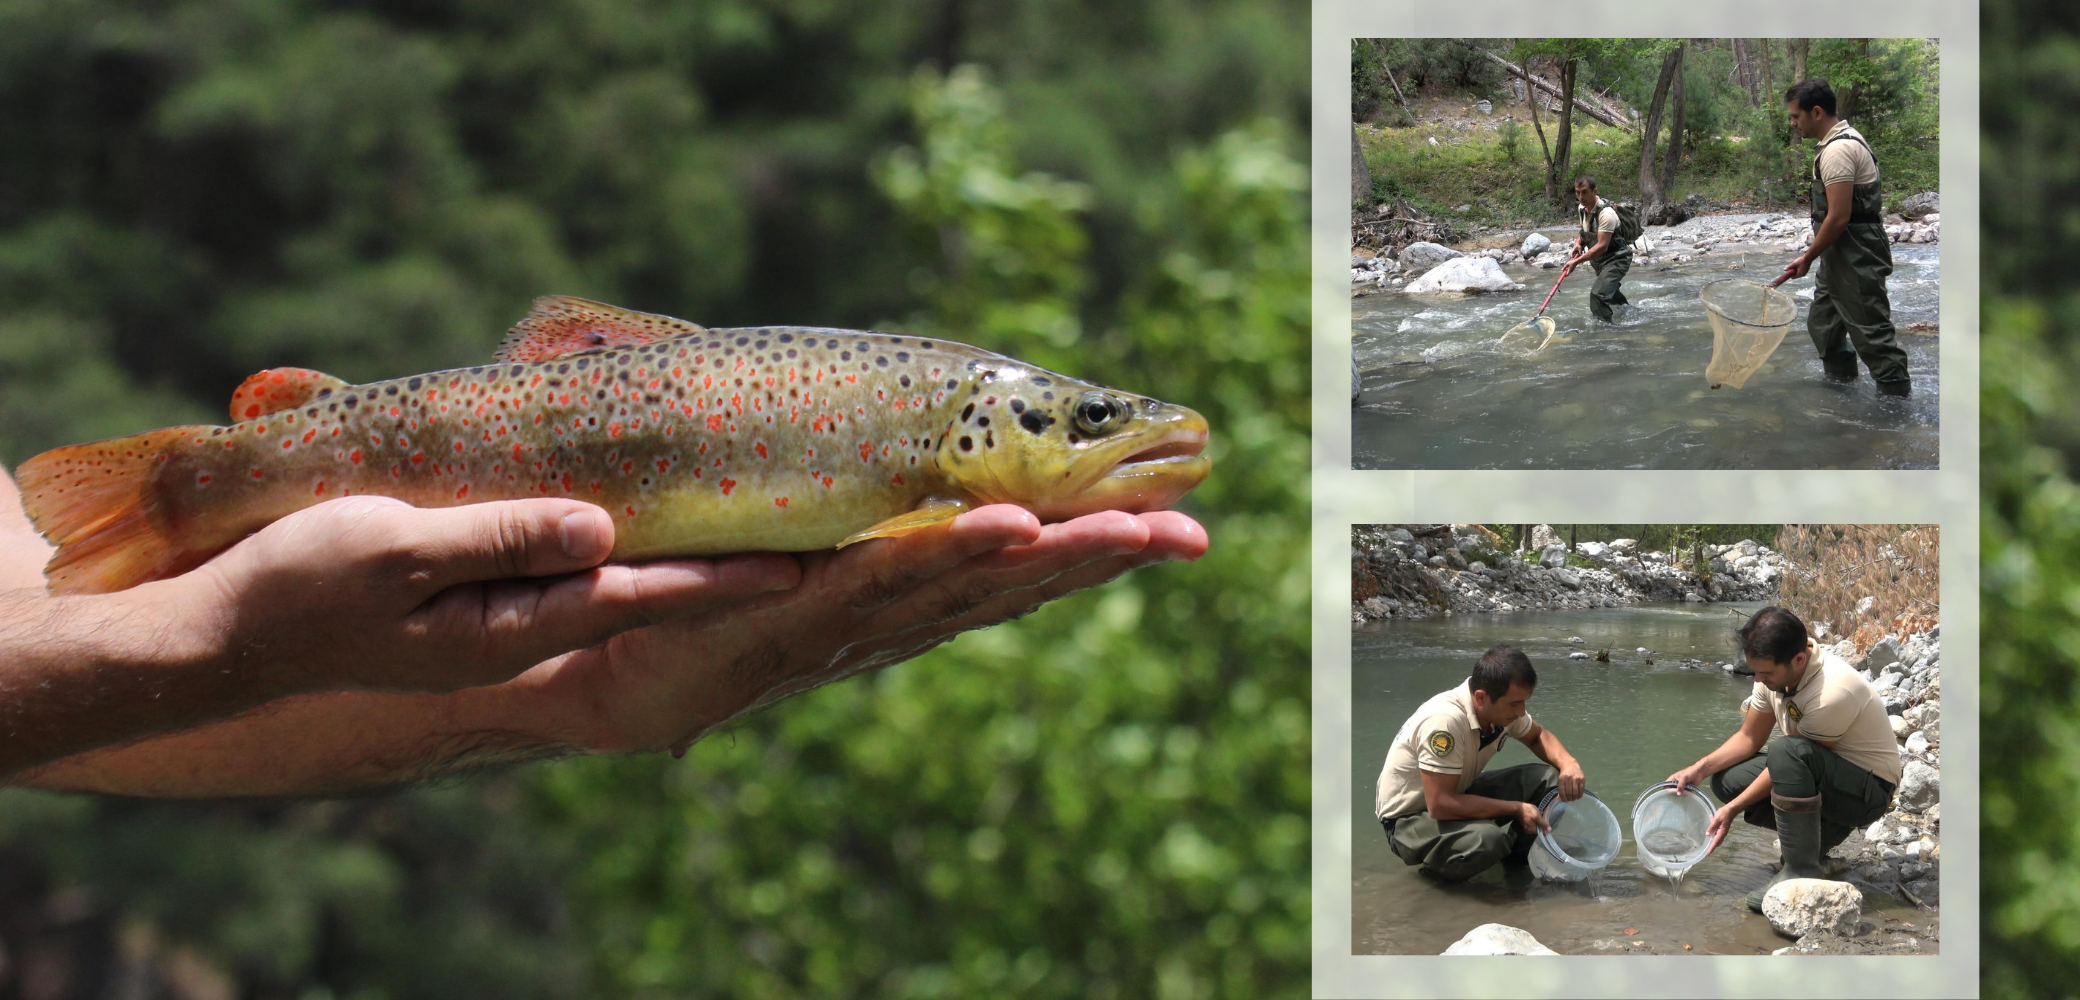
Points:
[(1791, 709), (1440, 744)]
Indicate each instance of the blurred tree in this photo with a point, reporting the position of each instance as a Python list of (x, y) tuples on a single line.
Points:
[(1107, 798)]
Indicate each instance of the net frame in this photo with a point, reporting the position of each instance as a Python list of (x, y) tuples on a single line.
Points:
[(1742, 344)]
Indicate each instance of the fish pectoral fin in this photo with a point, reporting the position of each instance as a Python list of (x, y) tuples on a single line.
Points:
[(279, 389), (559, 325), (927, 514)]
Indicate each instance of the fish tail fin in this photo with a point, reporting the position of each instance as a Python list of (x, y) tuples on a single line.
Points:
[(99, 504)]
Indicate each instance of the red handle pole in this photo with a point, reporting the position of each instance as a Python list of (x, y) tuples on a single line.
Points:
[(1556, 288)]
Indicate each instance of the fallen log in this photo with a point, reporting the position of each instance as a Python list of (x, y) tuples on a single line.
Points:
[(1604, 115)]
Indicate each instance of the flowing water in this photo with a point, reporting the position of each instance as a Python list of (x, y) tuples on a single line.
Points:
[(1439, 393), (1629, 724)]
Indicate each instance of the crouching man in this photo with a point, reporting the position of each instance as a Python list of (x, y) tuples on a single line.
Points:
[(1831, 768), (1439, 810)]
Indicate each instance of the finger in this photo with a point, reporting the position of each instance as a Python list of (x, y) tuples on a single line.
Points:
[(872, 575), (518, 623), (503, 540)]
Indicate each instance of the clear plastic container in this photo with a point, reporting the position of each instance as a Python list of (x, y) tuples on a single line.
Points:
[(1669, 830), (1583, 839)]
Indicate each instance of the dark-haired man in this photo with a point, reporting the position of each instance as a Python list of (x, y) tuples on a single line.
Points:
[(1596, 240), (1831, 769), (1851, 314), (1438, 809)]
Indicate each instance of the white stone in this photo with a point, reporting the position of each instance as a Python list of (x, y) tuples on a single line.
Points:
[(1534, 244), (1899, 725), (1421, 257), (1463, 274), (1920, 786), (1577, 655), (1574, 640), (1799, 906), (1917, 743), (1553, 556), (1498, 939)]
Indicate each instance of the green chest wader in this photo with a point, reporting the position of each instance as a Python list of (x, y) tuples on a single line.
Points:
[(1851, 315), (1610, 268)]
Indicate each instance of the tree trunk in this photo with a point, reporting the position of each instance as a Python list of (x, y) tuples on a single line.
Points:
[(1531, 98), (1845, 97), (1799, 47), (1651, 194), (1398, 98), (1361, 179), (1744, 69), (1769, 86), (1535, 83), (1675, 127), (1563, 137)]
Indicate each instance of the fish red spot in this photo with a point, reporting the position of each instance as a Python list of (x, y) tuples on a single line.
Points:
[(595, 486), (866, 450), (463, 492), (257, 473), (760, 448), (631, 511), (418, 457), (354, 456), (779, 501), (728, 485), (663, 464), (262, 429), (396, 471), (287, 444), (202, 480), (827, 482), (714, 421), (320, 491), (458, 447), (898, 480), (252, 411), (566, 482)]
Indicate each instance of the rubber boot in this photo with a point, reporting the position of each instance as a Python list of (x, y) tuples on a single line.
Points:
[(1798, 831), (1897, 387)]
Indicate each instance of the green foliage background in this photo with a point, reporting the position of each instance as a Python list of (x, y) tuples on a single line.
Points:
[(2030, 506), (1732, 151), (1105, 799)]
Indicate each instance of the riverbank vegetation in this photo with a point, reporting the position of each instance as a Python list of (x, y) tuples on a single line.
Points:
[(1865, 580), (1659, 121)]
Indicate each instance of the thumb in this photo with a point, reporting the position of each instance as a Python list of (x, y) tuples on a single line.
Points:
[(507, 539)]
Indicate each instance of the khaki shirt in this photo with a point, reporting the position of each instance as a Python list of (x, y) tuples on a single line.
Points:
[(1442, 737), (1606, 220), (1844, 160), (1835, 703)]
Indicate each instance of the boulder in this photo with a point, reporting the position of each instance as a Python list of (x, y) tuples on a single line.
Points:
[(1543, 535), (1920, 786), (1918, 205), (1923, 891), (1401, 536), (1925, 717), (1800, 906), (1577, 655), (1553, 556), (1417, 258), (1883, 653), (1533, 245), (1625, 546), (1594, 550), (1917, 744), (1498, 939), (1463, 274), (1567, 577), (1484, 107), (1673, 213)]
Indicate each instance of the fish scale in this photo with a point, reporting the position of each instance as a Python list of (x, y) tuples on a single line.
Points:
[(695, 441)]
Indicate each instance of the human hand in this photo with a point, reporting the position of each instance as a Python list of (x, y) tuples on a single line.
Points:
[(1722, 821), (1572, 783), (1531, 819), (863, 608), (372, 593), (1687, 778), (1796, 269)]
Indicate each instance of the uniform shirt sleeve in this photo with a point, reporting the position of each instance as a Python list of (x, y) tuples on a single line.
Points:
[(1838, 162), (1439, 748), (1519, 728), (1607, 220), (1759, 700), (1829, 714)]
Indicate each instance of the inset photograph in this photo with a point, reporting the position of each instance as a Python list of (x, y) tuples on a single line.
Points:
[(1661, 739), (1652, 253)]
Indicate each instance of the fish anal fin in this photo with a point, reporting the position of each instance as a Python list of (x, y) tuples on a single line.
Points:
[(560, 324), (279, 389), (926, 515)]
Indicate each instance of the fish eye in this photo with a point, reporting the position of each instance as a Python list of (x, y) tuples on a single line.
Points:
[(1098, 413)]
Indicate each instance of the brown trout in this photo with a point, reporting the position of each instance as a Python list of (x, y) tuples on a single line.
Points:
[(697, 441)]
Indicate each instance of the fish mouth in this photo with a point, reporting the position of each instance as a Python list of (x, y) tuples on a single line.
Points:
[(1178, 451)]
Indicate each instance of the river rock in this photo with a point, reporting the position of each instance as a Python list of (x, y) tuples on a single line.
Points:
[(1577, 655), (1799, 906), (1918, 205), (1575, 640), (1417, 258), (1498, 939), (1883, 653), (1899, 726), (1463, 274), (1925, 717), (1533, 245), (1543, 535), (1920, 786), (1917, 744), (1552, 555), (1567, 577), (1923, 891), (1484, 106)]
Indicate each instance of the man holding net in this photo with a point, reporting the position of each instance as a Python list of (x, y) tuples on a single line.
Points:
[(1831, 768), (1604, 239), (1852, 313), (1438, 809)]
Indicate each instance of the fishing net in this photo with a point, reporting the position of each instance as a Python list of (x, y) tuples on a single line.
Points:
[(1532, 335), (1749, 319)]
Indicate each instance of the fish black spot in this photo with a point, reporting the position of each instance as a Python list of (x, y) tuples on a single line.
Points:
[(1047, 395), (927, 442), (324, 394), (953, 383), (1073, 439), (790, 352), (926, 344), (1039, 380), (601, 395), (974, 366), (351, 401), (413, 384), (967, 443), (1018, 405), (787, 338), (563, 369), (334, 407), (583, 363), (982, 421), (904, 381), (989, 439), (714, 345), (516, 370), (387, 391), (1034, 422), (844, 355), (741, 341), (967, 412), (863, 347), (902, 355), (882, 360), (761, 345)]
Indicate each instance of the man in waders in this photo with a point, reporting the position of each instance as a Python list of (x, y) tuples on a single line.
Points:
[(1601, 239), (1832, 766), (1850, 304), (1438, 809)]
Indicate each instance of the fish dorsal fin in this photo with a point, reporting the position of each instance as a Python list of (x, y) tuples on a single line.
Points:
[(279, 389), (560, 325)]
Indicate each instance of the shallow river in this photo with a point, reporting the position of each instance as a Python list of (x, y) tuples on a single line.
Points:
[(1629, 724), (1439, 394)]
